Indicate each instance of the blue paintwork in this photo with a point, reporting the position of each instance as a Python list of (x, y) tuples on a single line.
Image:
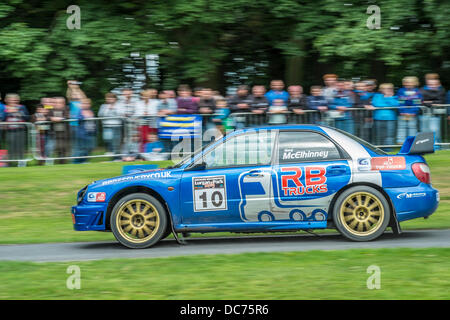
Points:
[(421, 202)]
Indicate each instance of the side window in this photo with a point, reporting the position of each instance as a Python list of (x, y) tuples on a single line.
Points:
[(302, 146), (253, 148)]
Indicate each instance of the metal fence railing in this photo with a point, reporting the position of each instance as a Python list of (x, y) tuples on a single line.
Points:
[(385, 127), (77, 140), (15, 142)]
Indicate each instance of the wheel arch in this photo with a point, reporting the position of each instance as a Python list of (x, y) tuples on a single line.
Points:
[(130, 190), (393, 222)]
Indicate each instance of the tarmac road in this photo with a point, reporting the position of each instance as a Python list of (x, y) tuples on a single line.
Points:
[(78, 251)]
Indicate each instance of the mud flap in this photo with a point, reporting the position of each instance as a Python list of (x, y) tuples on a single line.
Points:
[(175, 235), (396, 229)]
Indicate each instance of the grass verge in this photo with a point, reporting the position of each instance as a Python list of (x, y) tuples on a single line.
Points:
[(405, 274)]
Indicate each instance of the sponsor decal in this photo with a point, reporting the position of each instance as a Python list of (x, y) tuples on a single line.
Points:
[(406, 195), (157, 175), (364, 164), (388, 163), (315, 180), (422, 141), (209, 193), (290, 154), (96, 197)]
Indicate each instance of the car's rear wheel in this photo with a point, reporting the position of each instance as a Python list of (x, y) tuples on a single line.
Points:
[(138, 221), (361, 213)]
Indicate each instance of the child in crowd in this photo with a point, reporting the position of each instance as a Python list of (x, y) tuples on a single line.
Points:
[(278, 111), (221, 120), (154, 148)]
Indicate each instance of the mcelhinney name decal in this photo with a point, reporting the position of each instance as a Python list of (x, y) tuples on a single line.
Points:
[(305, 154)]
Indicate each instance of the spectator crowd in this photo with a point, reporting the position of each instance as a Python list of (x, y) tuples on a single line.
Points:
[(67, 126)]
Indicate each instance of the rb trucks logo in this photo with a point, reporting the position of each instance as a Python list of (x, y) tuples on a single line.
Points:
[(314, 178)]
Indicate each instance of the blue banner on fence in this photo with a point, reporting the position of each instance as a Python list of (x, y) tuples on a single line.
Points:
[(180, 126)]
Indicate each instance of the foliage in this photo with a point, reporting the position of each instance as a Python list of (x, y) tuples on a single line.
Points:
[(217, 42)]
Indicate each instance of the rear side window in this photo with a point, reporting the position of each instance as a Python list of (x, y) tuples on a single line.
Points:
[(305, 146)]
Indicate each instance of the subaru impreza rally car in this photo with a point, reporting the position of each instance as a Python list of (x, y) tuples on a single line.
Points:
[(274, 178)]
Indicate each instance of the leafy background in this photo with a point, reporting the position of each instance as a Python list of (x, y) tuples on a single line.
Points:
[(218, 43)]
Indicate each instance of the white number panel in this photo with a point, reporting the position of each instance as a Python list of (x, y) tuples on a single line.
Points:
[(209, 193)]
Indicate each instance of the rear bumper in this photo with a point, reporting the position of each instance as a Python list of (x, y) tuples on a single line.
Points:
[(88, 217), (414, 202)]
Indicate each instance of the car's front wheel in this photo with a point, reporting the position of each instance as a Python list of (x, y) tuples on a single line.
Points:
[(138, 221), (361, 213)]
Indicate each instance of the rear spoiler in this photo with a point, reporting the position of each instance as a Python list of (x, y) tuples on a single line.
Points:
[(422, 143)]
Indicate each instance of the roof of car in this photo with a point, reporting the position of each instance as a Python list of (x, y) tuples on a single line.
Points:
[(287, 126)]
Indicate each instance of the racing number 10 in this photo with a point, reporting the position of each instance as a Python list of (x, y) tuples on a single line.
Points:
[(216, 199), (209, 193)]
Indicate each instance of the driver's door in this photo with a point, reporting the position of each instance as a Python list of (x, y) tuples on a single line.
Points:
[(235, 185)]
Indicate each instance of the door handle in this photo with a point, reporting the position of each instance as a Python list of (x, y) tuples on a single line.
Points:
[(337, 170), (256, 173)]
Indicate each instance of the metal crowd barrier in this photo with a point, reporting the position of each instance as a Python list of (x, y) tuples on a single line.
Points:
[(118, 137), (360, 122), (15, 142)]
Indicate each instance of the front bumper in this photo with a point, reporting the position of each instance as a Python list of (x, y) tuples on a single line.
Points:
[(414, 202), (89, 217)]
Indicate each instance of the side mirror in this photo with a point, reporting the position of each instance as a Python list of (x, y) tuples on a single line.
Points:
[(198, 166)]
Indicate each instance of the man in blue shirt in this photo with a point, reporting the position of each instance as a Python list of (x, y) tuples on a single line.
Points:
[(277, 92), (339, 106), (2, 111)]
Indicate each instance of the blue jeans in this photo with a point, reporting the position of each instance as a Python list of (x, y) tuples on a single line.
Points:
[(345, 125), (385, 132), (407, 126), (75, 142), (429, 123), (112, 136)]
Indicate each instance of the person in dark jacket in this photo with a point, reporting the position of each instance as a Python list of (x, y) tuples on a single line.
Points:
[(433, 94), (207, 107), (41, 120), (297, 100), (60, 128), (207, 103), (241, 103), (259, 103), (447, 101), (317, 101), (297, 105)]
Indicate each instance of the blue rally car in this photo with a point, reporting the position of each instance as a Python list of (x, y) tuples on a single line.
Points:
[(274, 178)]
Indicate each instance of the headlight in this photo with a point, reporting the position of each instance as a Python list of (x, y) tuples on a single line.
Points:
[(81, 194)]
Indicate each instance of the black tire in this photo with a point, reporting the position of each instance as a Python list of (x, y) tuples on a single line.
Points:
[(359, 207), (153, 212)]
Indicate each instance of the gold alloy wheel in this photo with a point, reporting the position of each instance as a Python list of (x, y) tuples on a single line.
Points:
[(362, 213), (137, 220)]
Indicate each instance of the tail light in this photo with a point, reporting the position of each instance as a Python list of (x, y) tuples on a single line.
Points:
[(422, 172)]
